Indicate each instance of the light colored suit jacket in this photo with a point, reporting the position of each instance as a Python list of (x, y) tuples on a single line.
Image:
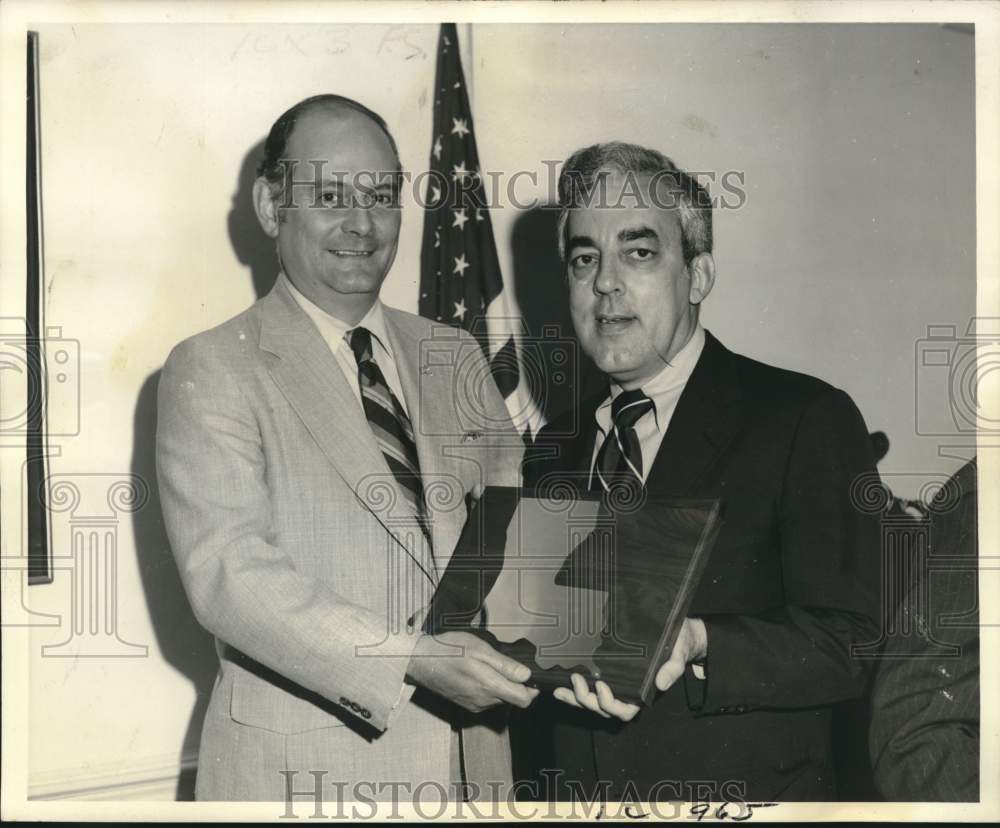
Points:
[(297, 553)]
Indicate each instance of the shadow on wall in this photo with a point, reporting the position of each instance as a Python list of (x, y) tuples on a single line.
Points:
[(252, 246), (185, 646), (540, 287)]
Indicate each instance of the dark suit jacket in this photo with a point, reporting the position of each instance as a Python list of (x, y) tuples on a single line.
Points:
[(792, 582), (925, 720)]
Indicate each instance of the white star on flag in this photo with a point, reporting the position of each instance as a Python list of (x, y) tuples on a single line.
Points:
[(478, 294), (435, 194)]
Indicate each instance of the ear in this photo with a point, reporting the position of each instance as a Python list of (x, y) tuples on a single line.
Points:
[(266, 207), (702, 269)]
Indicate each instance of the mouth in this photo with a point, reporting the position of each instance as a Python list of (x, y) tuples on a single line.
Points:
[(351, 254), (614, 322)]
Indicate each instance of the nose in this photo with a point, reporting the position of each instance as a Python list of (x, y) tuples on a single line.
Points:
[(608, 278), (358, 221)]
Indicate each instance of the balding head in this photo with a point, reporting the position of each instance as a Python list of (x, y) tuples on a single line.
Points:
[(276, 146)]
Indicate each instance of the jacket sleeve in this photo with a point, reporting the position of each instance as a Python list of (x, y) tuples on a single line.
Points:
[(242, 587), (799, 655), (924, 735)]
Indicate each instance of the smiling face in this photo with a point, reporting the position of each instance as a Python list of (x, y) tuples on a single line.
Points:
[(336, 243), (633, 300)]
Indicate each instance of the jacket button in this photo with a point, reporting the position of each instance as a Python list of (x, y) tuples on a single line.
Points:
[(366, 713)]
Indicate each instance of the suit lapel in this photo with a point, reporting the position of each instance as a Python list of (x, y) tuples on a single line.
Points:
[(708, 416), (562, 451), (312, 381), (430, 400)]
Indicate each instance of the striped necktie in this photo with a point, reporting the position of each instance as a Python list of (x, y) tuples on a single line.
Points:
[(620, 457), (388, 422)]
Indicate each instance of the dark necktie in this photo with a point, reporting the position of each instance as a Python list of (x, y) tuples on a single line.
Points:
[(388, 422), (620, 457)]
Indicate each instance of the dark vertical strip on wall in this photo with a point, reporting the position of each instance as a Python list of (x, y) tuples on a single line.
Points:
[(39, 569)]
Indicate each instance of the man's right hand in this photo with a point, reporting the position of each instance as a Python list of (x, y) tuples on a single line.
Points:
[(466, 670)]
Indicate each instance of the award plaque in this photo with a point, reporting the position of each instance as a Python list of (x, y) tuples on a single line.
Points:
[(570, 584)]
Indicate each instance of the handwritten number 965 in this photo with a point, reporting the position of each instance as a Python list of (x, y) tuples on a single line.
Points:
[(734, 811)]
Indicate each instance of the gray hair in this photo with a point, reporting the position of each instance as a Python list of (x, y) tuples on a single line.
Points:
[(581, 179)]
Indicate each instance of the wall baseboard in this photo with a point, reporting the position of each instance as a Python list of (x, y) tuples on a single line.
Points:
[(157, 778)]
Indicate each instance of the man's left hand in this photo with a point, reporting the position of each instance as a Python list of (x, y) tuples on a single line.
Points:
[(691, 645)]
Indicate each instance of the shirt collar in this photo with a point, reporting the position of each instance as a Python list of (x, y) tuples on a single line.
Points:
[(665, 387), (333, 329)]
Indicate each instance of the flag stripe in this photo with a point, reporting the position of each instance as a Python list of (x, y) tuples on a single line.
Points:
[(460, 279)]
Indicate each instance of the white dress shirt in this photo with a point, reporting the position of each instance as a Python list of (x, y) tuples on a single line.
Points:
[(332, 330), (664, 390)]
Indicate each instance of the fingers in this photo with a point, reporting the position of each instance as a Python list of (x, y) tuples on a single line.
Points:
[(564, 694), (502, 689), (507, 667), (622, 710), (515, 694), (671, 670), (602, 702), (585, 696), (521, 696), (477, 491), (512, 670)]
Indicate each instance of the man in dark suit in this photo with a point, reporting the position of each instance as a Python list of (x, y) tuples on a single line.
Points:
[(744, 708), (925, 721)]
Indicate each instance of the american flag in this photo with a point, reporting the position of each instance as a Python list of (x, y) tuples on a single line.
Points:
[(460, 279)]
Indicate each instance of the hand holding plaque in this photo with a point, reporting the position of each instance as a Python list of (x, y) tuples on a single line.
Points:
[(570, 584)]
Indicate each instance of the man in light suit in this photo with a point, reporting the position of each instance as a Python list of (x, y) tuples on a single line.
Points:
[(745, 702), (314, 480)]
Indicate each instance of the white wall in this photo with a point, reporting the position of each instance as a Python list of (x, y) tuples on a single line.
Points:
[(858, 231)]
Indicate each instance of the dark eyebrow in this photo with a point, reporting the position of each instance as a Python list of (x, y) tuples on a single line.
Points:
[(581, 241), (631, 234)]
